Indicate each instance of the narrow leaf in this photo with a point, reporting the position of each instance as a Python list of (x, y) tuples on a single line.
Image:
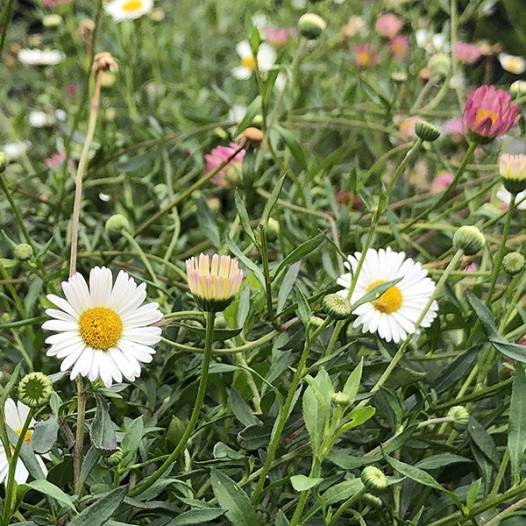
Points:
[(101, 510), (517, 422), (196, 517), (304, 250), (50, 490), (353, 382), (303, 483), (271, 201), (375, 293), (102, 432)]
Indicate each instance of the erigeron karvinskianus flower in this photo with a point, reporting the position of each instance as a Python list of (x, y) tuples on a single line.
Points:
[(128, 9), (213, 283), (505, 197), (399, 46), (103, 332), (266, 56), (388, 25), (365, 56), (394, 314), (229, 176), (513, 64), (466, 53), (489, 113), (15, 416), (512, 170), (39, 57)]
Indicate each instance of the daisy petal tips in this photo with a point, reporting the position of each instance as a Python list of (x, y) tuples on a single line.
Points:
[(103, 332), (394, 314)]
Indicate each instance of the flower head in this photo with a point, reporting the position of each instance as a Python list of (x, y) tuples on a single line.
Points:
[(15, 416), (441, 182), (399, 46), (102, 330), (228, 176), (266, 57), (489, 113), (35, 389), (365, 56), (128, 9), (505, 196), (388, 25), (394, 314), (38, 57), (355, 26), (512, 170), (513, 64), (277, 36), (466, 53), (214, 284), (311, 26)]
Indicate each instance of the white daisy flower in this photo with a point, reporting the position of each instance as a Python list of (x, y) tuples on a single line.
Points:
[(505, 197), (14, 150), (266, 58), (513, 64), (394, 314), (102, 330), (15, 416), (38, 57), (128, 9), (39, 119), (432, 43)]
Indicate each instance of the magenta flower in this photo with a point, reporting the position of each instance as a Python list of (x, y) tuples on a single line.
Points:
[(399, 46), (56, 159), (228, 176), (365, 56), (277, 36), (467, 53), (441, 182), (388, 25), (489, 113)]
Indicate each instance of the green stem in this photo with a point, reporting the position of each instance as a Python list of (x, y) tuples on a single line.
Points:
[(314, 473), (142, 255), (6, 19), (79, 438), (346, 504), (500, 474), (266, 273), (284, 412), (10, 484), (207, 356)]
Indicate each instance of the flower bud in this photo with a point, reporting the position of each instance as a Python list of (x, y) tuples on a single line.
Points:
[(35, 390), (273, 229), (512, 170), (104, 62), (513, 263), (374, 479), (115, 458), (250, 138), (86, 29), (336, 306), (469, 239), (426, 131), (315, 322), (3, 162), (341, 399), (311, 26), (53, 20), (116, 224), (23, 252), (518, 88), (439, 65), (372, 500), (460, 416)]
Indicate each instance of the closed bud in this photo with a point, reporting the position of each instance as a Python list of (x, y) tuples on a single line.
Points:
[(460, 416), (23, 252), (336, 306), (311, 26), (115, 458), (3, 162), (512, 170), (273, 229), (518, 88), (469, 239), (53, 20), (341, 399), (116, 224), (439, 65), (426, 131), (513, 263), (86, 29), (374, 479), (315, 322), (35, 390), (250, 138), (104, 62), (372, 500)]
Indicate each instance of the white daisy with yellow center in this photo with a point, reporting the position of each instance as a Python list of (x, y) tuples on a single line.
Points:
[(15, 416), (394, 314), (128, 9), (513, 64), (102, 330), (266, 57)]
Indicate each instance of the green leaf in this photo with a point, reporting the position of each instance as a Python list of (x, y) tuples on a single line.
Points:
[(304, 310), (342, 491), (102, 432), (253, 109), (131, 439), (247, 262), (456, 370), (315, 417), (300, 252), (243, 217), (241, 409), (441, 460), (27, 456), (233, 499), (353, 383), (201, 516), (517, 422), (50, 490), (358, 417), (483, 440), (12, 381), (375, 293), (101, 510), (273, 198), (294, 145), (287, 284), (44, 435), (303, 483), (207, 222), (473, 494)]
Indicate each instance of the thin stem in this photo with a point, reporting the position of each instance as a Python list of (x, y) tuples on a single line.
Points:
[(142, 255), (314, 473), (79, 438), (500, 475), (346, 504), (266, 273), (207, 356)]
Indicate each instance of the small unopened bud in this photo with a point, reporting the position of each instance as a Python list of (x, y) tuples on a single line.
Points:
[(513, 263), (469, 239), (116, 224), (372, 500), (35, 390), (23, 252), (399, 76), (426, 131), (336, 306), (460, 416), (311, 26), (104, 62), (86, 29), (115, 458), (439, 65), (315, 322), (108, 79), (340, 399), (53, 20), (374, 479), (518, 88), (273, 229), (250, 138), (3, 162), (512, 171)]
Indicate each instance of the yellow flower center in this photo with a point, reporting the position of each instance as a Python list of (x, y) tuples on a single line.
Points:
[(514, 65), (390, 301), (484, 114), (27, 436), (363, 58), (248, 62), (100, 328), (132, 5)]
